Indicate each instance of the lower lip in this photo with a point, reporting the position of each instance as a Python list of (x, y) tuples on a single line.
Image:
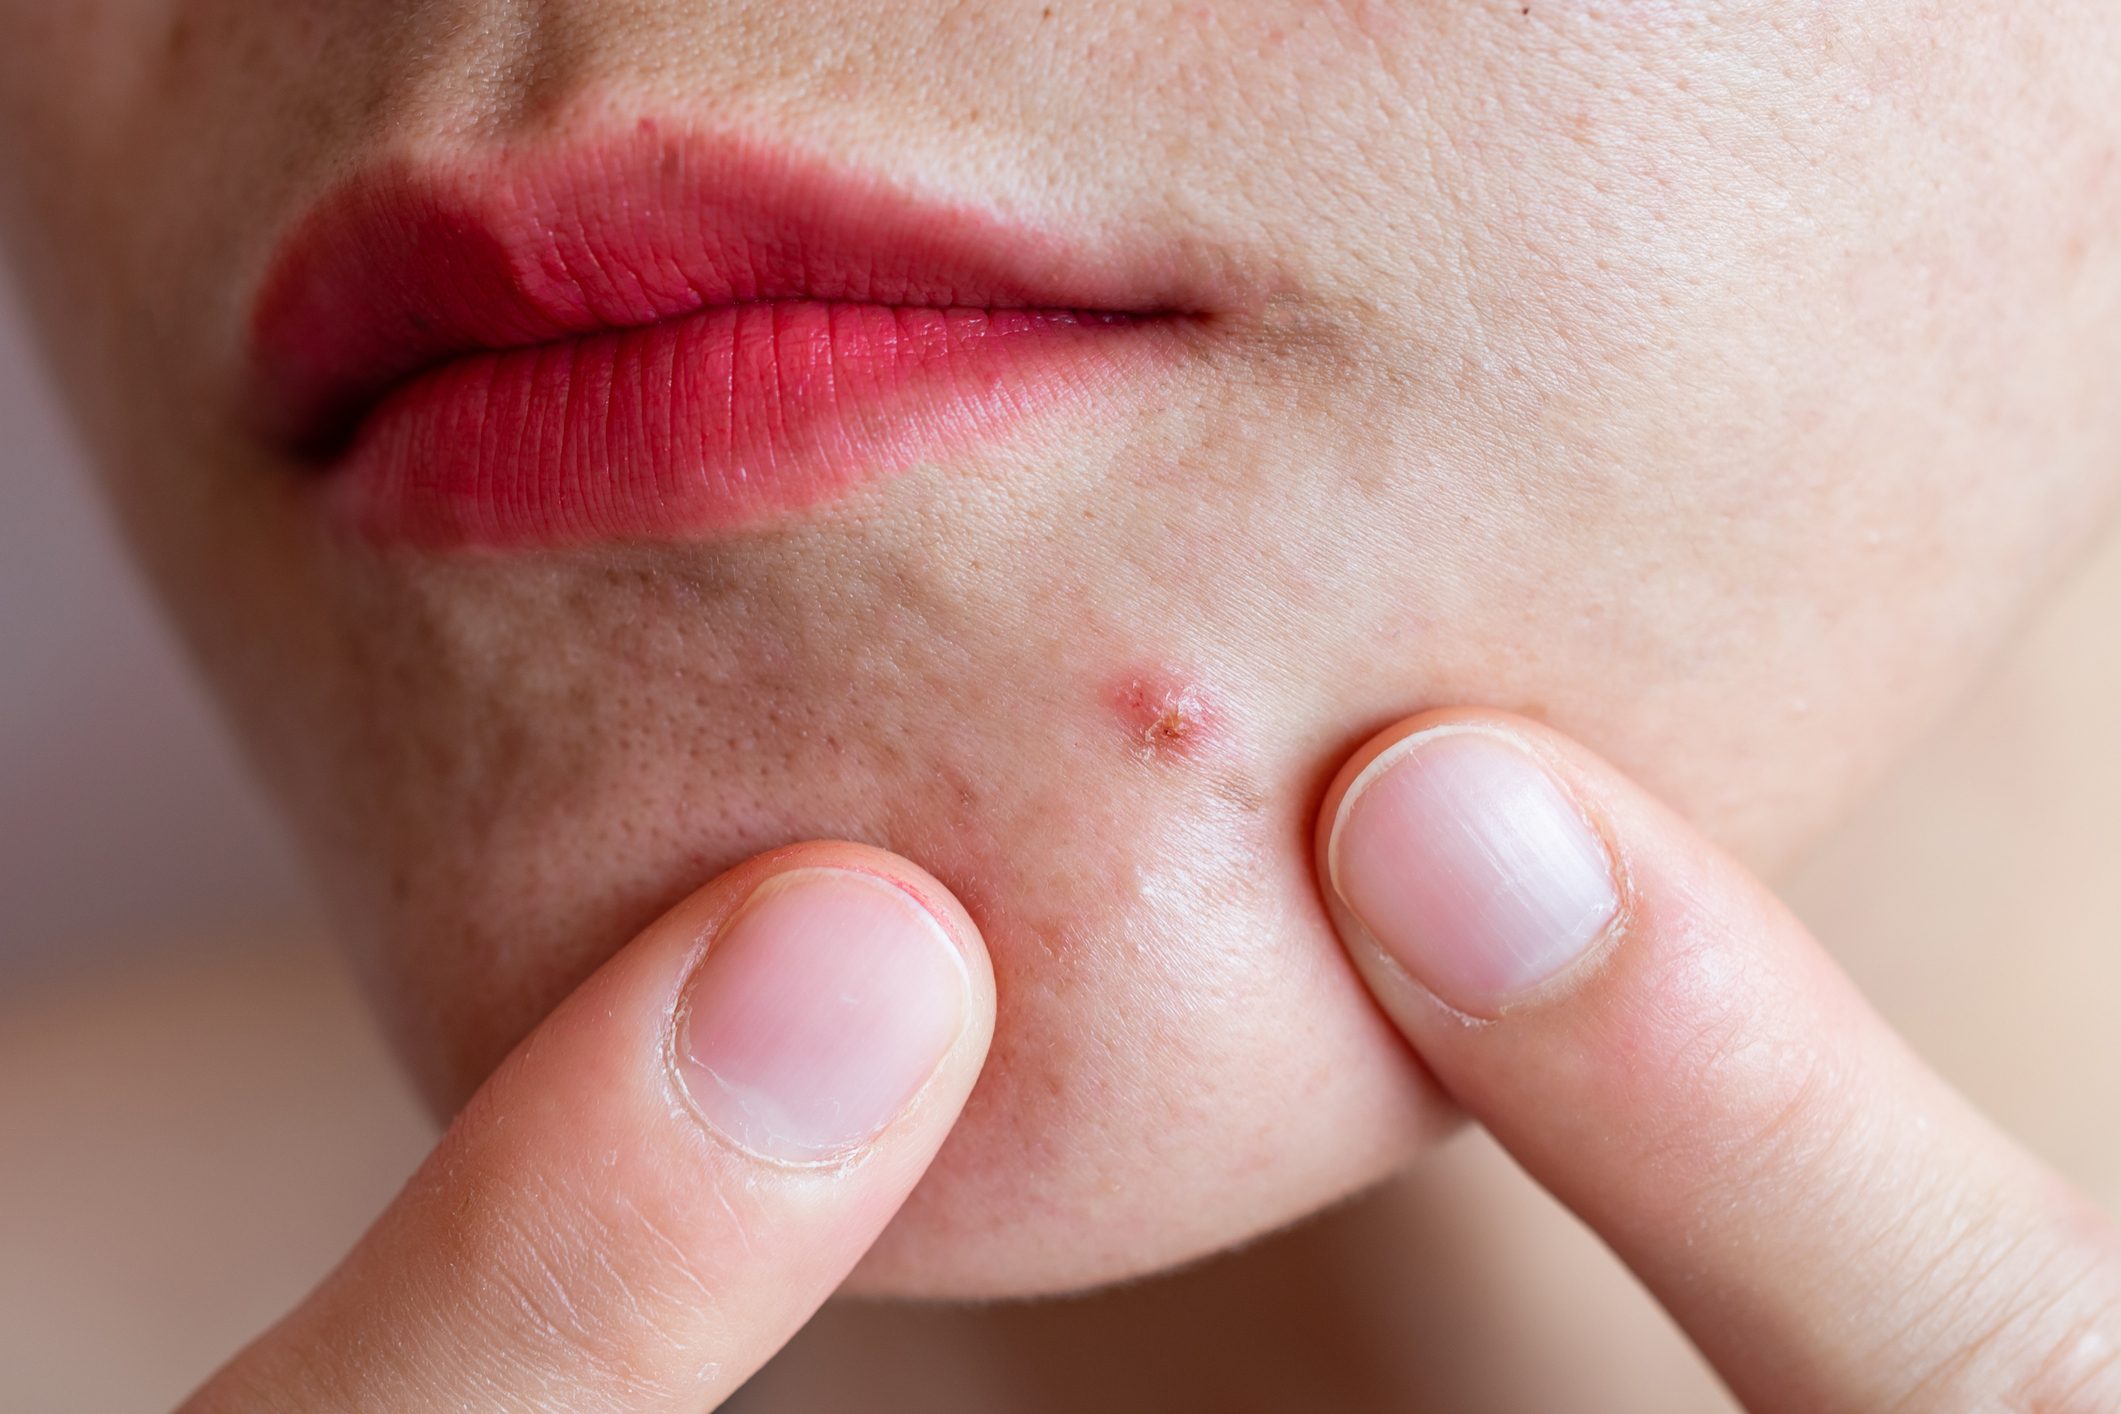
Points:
[(710, 421)]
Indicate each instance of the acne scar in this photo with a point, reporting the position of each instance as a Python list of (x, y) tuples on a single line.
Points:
[(1165, 715)]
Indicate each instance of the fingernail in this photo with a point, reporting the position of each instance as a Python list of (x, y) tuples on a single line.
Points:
[(821, 1009), (1467, 862)]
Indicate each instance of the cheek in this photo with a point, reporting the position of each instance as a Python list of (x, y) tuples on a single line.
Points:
[(1163, 714)]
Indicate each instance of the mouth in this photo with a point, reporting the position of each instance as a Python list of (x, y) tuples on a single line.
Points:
[(669, 334)]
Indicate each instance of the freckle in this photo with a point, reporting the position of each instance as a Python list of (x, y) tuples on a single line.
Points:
[(1165, 715)]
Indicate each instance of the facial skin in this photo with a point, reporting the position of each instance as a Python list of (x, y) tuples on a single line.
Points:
[(1715, 382)]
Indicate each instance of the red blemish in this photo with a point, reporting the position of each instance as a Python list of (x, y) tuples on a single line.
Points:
[(1166, 716)]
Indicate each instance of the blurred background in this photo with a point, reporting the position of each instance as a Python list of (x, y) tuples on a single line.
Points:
[(125, 815), (195, 1119)]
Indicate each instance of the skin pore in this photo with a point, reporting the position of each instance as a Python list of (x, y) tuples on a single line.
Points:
[(1717, 384)]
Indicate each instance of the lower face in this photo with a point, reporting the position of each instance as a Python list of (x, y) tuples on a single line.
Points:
[(1716, 385)]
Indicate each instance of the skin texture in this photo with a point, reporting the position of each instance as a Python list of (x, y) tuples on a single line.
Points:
[(1715, 383)]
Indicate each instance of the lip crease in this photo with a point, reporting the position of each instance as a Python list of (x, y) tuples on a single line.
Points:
[(667, 333)]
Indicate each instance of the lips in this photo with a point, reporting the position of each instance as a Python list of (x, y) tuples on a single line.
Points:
[(668, 334)]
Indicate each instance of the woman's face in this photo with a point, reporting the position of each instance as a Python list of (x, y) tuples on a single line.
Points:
[(1713, 380)]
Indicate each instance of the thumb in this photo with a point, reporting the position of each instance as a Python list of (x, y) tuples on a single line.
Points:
[(1662, 1045), (664, 1180)]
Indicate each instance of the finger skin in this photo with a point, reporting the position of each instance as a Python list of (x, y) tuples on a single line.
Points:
[(580, 1239), (1830, 1223)]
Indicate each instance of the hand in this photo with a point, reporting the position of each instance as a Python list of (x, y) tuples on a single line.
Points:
[(663, 1181), (1664, 1047)]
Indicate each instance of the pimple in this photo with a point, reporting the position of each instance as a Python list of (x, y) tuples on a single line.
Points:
[(1164, 715)]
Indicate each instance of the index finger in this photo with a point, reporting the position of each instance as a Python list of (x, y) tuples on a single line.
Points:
[(1665, 1048), (663, 1181)]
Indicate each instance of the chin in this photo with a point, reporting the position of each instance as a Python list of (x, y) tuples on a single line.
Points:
[(525, 759), (1183, 1058)]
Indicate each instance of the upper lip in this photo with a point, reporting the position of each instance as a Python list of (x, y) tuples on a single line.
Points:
[(413, 262)]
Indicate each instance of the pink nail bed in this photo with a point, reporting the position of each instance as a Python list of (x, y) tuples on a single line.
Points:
[(821, 1009), (1463, 857)]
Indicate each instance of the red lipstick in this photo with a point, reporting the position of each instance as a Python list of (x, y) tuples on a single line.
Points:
[(666, 334)]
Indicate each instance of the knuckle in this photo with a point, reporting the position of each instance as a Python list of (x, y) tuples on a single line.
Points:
[(2031, 1326), (2078, 1374), (2070, 1361)]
